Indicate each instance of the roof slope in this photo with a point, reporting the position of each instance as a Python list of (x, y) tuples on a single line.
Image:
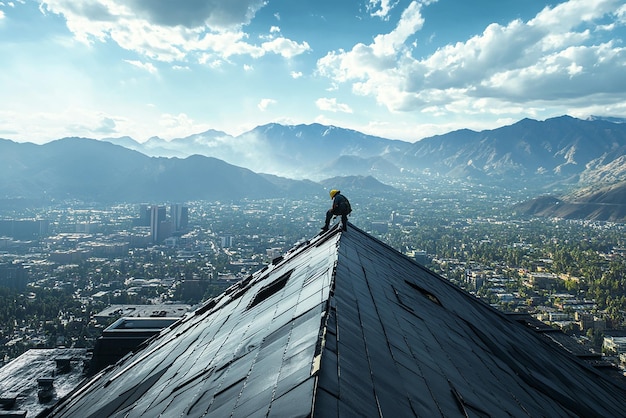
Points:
[(344, 325)]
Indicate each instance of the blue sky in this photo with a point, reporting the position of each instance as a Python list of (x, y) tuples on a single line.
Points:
[(394, 68)]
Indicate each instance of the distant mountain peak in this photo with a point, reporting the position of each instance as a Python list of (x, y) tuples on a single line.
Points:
[(612, 119), (155, 140)]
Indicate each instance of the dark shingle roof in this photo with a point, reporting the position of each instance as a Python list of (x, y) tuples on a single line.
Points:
[(344, 325)]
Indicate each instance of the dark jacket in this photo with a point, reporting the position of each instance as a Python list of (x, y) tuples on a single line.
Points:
[(341, 205)]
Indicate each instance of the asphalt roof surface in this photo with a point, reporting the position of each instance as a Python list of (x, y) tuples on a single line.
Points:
[(344, 325)]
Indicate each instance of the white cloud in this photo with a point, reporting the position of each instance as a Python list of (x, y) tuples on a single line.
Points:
[(380, 8), (181, 120), (620, 14), (371, 61), (285, 47), (217, 14), (225, 45), (169, 30), (552, 57), (147, 66), (331, 105), (48, 125), (265, 103), (107, 126), (296, 74)]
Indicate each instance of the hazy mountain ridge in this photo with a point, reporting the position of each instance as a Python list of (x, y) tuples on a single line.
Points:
[(88, 169), (604, 204), (295, 151), (367, 184), (555, 152), (559, 149)]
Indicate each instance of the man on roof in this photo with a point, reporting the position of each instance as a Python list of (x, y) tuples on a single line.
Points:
[(341, 207)]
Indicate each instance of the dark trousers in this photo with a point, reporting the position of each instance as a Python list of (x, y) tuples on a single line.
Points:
[(331, 213)]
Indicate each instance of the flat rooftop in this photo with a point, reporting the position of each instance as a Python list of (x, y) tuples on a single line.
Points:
[(55, 371), (144, 311)]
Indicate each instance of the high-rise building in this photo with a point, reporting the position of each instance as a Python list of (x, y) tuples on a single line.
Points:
[(180, 217), (145, 213), (158, 225), (344, 325)]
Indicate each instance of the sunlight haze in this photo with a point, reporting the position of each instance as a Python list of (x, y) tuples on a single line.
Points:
[(396, 69)]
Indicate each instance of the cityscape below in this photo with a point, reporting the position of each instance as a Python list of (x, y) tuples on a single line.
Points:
[(70, 270)]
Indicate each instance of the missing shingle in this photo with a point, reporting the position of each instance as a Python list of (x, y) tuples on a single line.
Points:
[(270, 290), (400, 301), (424, 292), (207, 307), (406, 306)]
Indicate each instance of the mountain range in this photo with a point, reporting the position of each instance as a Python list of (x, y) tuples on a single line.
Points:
[(606, 203), (92, 170), (562, 149), (276, 160)]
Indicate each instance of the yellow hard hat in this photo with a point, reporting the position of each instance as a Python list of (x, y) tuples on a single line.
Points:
[(333, 192)]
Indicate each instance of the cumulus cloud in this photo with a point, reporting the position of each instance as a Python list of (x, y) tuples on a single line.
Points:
[(217, 14), (379, 58), (93, 123), (107, 126), (552, 57), (285, 47), (171, 30), (380, 8), (265, 103), (182, 120), (147, 66), (331, 105)]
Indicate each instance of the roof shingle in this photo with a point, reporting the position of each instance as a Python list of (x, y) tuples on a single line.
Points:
[(343, 325)]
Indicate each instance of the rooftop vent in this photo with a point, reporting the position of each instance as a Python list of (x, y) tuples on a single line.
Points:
[(63, 364), (45, 392), (8, 401)]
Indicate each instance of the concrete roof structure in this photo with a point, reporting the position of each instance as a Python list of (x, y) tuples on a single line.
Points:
[(36, 380), (142, 311), (344, 325)]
